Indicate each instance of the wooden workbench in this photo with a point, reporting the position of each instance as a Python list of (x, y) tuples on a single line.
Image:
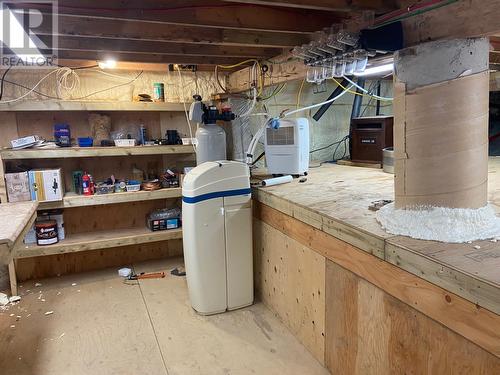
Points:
[(15, 221), (316, 246)]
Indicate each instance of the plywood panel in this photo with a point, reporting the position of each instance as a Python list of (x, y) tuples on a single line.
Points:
[(459, 315), (369, 331), (290, 279), (52, 265)]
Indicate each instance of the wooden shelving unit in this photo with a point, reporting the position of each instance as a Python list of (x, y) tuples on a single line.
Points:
[(99, 240), (75, 200), (86, 152), (73, 105), (90, 221)]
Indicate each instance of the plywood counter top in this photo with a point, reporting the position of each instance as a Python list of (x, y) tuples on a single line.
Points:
[(15, 218), (336, 198)]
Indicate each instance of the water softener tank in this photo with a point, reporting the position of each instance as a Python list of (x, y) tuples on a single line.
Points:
[(217, 236), (211, 139)]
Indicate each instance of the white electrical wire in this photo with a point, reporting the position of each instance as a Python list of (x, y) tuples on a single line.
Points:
[(31, 90), (366, 91), (67, 81), (252, 106), (185, 108), (286, 114), (255, 140)]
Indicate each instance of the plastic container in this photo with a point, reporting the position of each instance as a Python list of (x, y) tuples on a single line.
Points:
[(104, 189), (62, 135), (120, 187), (211, 141), (125, 142), (85, 142), (133, 185), (46, 232), (158, 92)]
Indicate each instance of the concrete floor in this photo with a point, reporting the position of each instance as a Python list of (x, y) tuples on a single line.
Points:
[(103, 326)]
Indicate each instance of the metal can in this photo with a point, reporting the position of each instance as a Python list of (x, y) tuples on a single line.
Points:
[(46, 232), (158, 92)]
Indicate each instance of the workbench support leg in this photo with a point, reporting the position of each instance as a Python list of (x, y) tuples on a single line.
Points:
[(13, 277), (441, 96)]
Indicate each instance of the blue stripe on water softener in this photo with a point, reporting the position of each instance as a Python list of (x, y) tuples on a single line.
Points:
[(216, 194)]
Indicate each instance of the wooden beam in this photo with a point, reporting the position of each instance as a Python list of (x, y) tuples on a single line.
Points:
[(125, 65), (327, 5), (218, 14), (286, 69), (102, 27), (146, 57), (70, 43), (465, 18), (495, 42), (495, 57)]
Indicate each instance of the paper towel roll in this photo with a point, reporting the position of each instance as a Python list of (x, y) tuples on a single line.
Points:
[(277, 180)]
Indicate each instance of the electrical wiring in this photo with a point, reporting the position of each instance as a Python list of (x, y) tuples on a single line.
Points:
[(258, 158), (286, 114), (67, 80), (257, 74), (252, 106), (328, 146), (76, 98), (366, 91), (255, 140), (410, 11), (300, 93), (185, 108), (3, 80), (278, 90), (31, 90), (110, 88)]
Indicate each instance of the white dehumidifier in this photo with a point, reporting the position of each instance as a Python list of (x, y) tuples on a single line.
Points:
[(287, 147), (217, 236)]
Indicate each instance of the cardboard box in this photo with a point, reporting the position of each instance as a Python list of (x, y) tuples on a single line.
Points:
[(46, 185), (18, 187)]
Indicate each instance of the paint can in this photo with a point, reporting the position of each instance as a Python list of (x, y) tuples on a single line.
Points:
[(46, 232), (158, 92)]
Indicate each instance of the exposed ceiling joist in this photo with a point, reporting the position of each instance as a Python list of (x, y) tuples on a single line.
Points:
[(146, 58), (328, 5), (102, 27), (215, 14), (465, 18), (69, 43)]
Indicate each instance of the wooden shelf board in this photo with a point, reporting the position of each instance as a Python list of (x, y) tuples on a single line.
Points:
[(73, 105), (75, 200), (83, 152), (98, 240)]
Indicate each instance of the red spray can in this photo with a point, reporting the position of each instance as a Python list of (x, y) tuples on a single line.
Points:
[(87, 184)]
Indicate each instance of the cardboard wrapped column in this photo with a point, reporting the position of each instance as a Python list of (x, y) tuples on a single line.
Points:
[(441, 101)]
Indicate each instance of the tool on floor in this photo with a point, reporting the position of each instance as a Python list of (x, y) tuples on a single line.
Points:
[(178, 271), (144, 275)]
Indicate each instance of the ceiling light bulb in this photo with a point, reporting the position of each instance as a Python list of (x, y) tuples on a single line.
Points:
[(107, 64)]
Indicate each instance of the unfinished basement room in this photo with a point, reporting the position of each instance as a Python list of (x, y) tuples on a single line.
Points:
[(238, 187)]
